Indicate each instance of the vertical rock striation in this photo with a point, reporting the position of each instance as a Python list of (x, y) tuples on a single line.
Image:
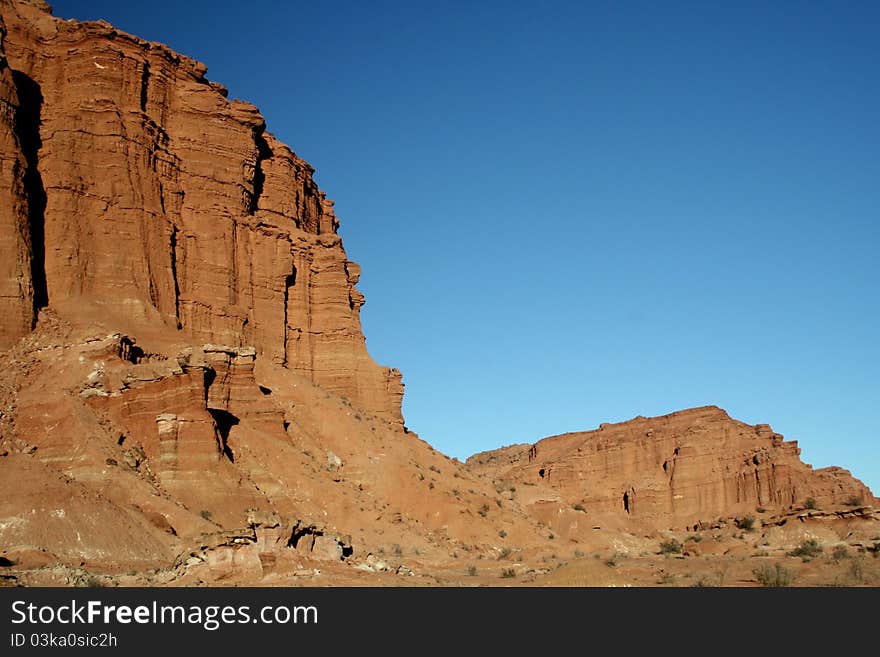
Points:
[(682, 468), (139, 189)]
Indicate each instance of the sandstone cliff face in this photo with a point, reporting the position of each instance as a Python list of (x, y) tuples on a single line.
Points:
[(16, 279), (138, 190), (685, 467), (246, 435)]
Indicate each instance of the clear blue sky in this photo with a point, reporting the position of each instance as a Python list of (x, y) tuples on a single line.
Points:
[(569, 213)]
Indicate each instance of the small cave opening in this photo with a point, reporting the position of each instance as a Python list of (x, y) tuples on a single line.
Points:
[(224, 421), (129, 351), (347, 551), (6, 563), (541, 473), (286, 424), (626, 501), (121, 439), (666, 466), (265, 390), (301, 532)]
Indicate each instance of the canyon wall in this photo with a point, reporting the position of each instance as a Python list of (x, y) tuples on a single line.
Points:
[(139, 190)]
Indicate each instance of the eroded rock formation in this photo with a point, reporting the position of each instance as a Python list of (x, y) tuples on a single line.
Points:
[(139, 190), (676, 469), (186, 392)]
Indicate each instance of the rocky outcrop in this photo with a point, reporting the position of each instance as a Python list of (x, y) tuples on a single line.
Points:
[(16, 277), (676, 469), (140, 191)]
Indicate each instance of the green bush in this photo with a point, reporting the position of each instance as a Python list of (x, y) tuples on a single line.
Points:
[(775, 575), (810, 503), (670, 547), (839, 553), (747, 523), (807, 550)]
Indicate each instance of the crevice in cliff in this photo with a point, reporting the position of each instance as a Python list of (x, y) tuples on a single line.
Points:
[(224, 420), (27, 129), (172, 243), (145, 80), (289, 282), (263, 153), (233, 265)]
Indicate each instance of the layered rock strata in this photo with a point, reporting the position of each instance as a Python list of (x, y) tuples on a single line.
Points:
[(679, 468), (138, 189)]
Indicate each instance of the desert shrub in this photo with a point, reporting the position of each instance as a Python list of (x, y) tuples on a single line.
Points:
[(579, 507), (854, 500), (839, 553), (484, 510), (434, 468), (398, 551), (472, 571), (505, 552), (808, 549), (508, 573), (502, 533), (91, 581), (668, 579), (670, 547), (810, 503), (776, 575), (857, 571), (702, 581), (746, 522), (205, 514), (761, 509), (578, 554)]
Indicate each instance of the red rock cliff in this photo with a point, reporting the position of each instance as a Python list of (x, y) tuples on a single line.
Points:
[(682, 468), (135, 188)]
